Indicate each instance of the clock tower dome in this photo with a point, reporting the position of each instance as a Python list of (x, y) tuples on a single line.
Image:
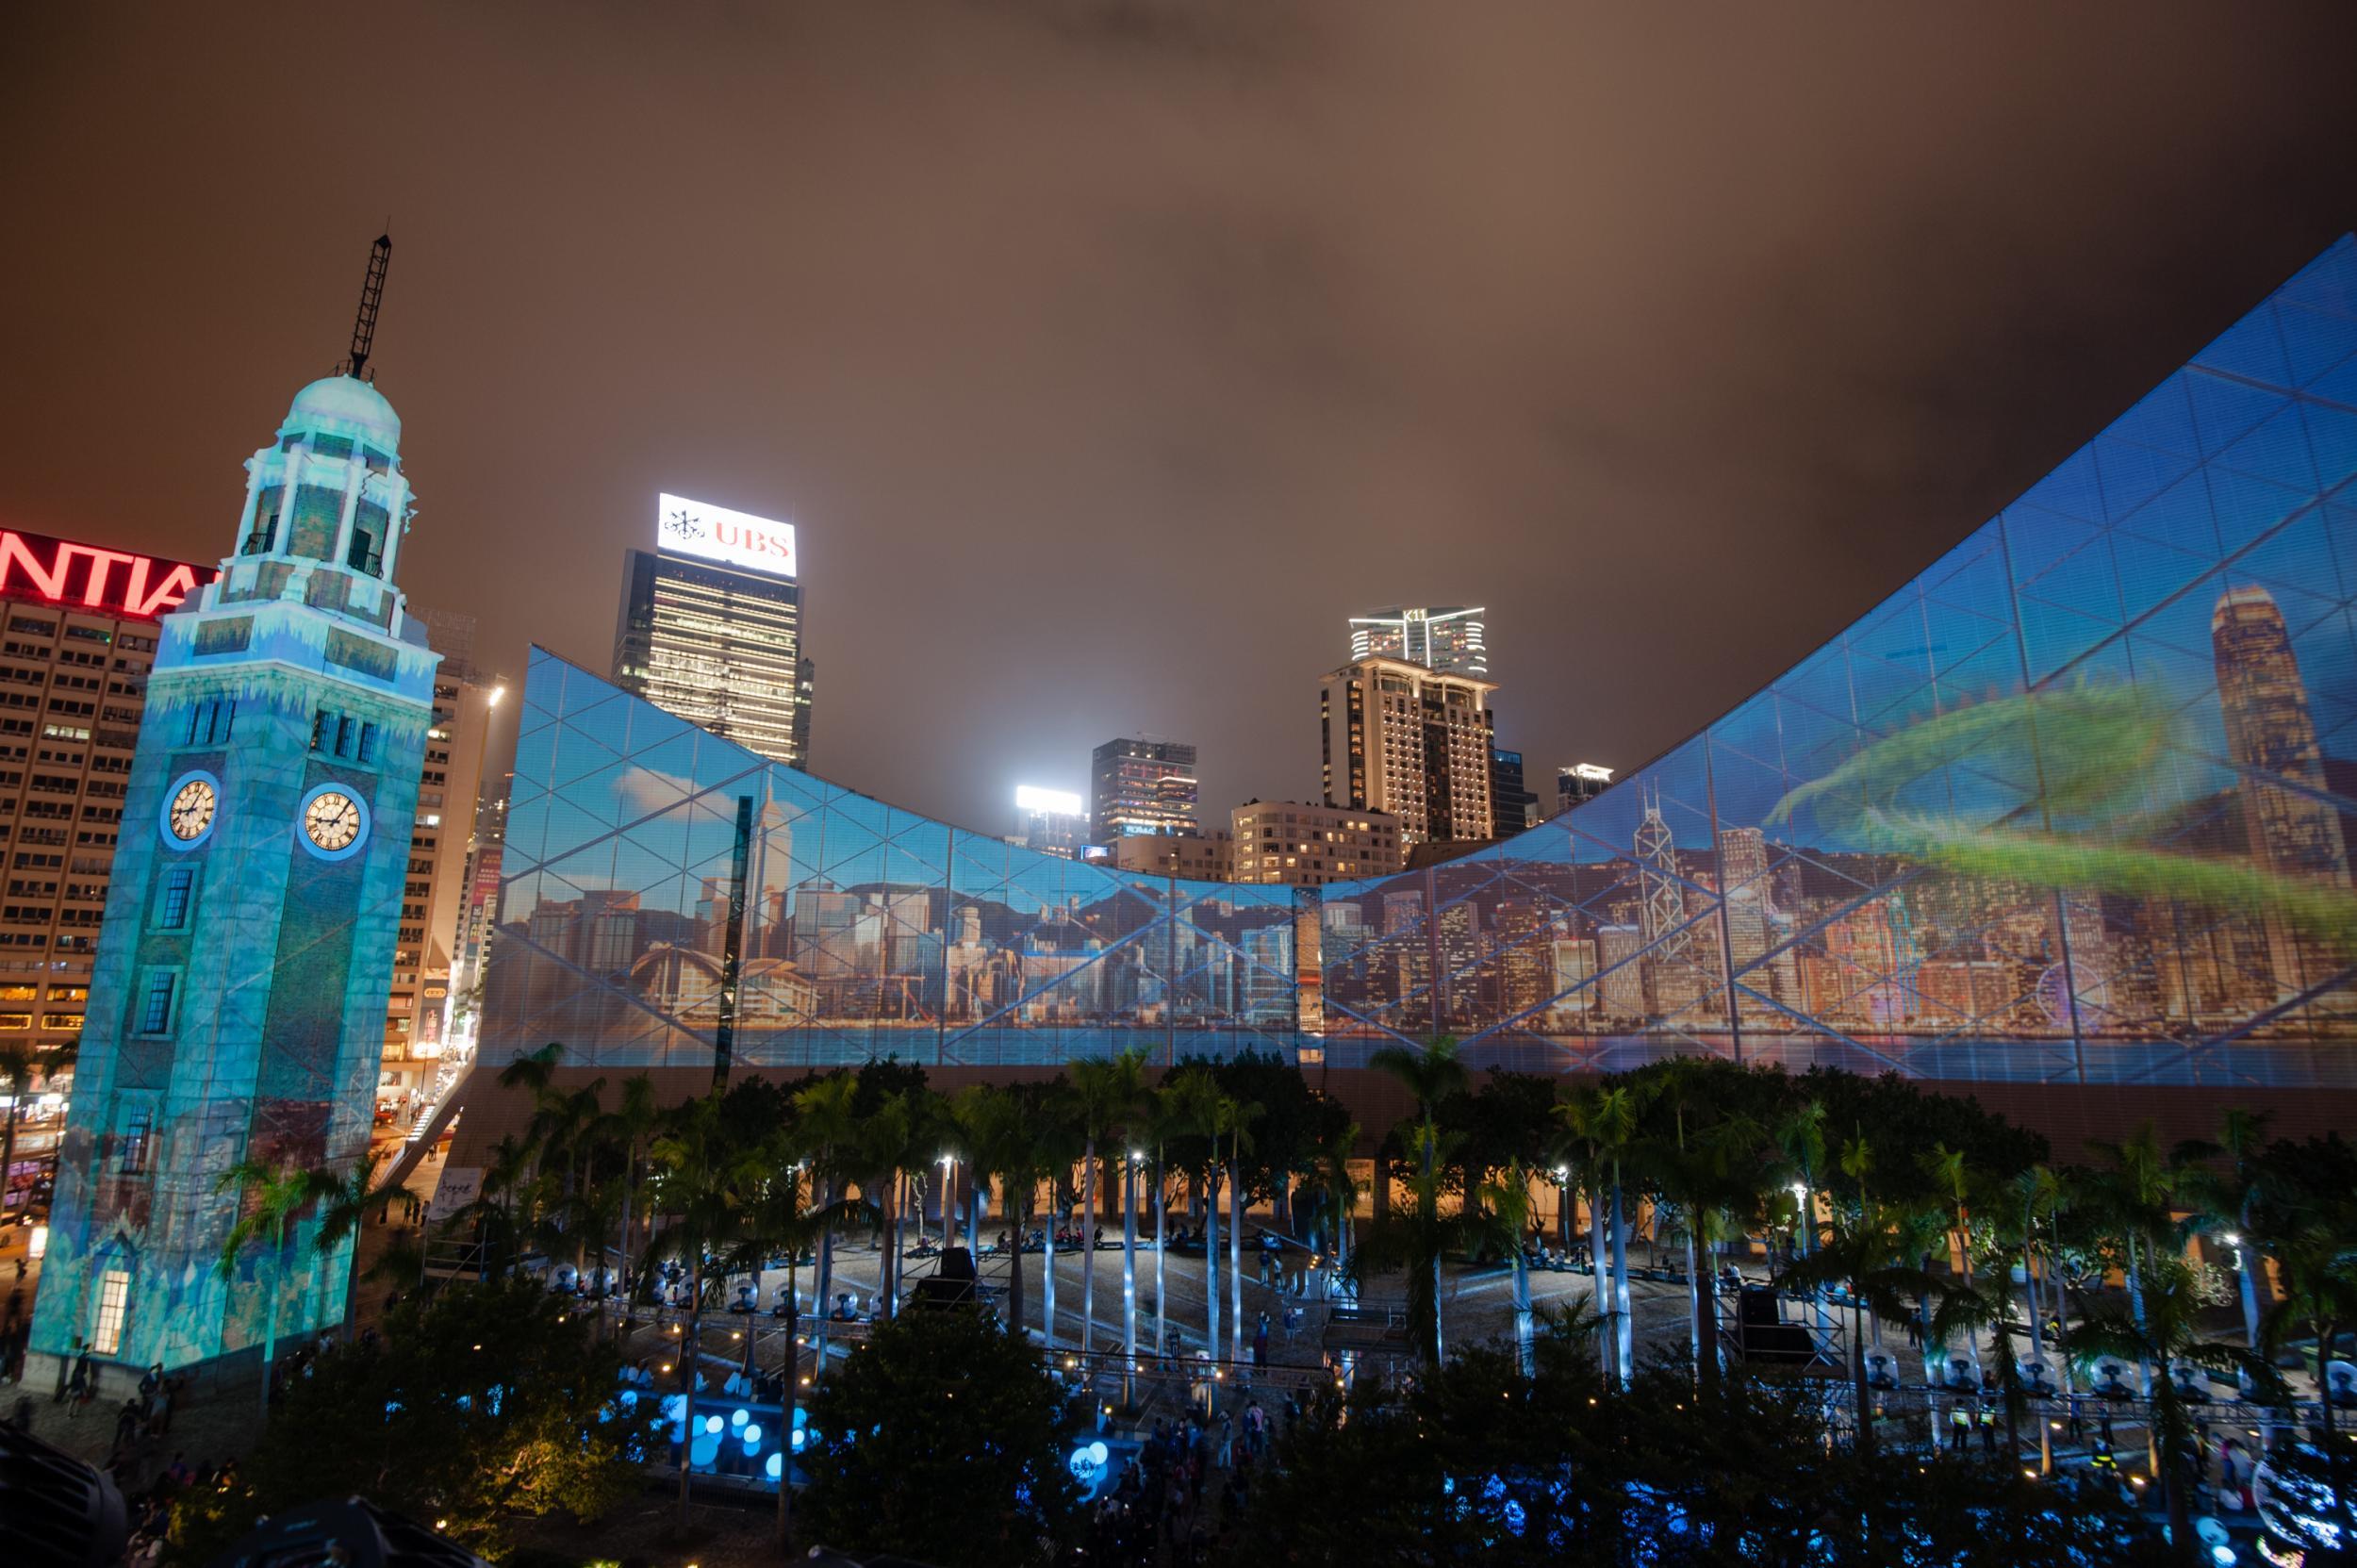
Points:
[(236, 1010)]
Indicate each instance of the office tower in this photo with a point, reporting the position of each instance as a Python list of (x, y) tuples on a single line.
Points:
[(1050, 820), (1141, 786), (2292, 829), (1582, 781), (81, 630), (1286, 841), (1198, 856), (1510, 802), (238, 1008), (1448, 639), (436, 894), (711, 627), (1398, 737)]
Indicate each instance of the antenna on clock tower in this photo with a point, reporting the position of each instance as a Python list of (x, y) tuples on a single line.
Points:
[(371, 296)]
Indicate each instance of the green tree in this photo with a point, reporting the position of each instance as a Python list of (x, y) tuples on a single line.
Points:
[(270, 1197), (488, 1404), (941, 1441), (346, 1200), (703, 1186)]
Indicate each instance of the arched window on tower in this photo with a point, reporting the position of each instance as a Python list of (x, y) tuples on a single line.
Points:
[(368, 540), (264, 534)]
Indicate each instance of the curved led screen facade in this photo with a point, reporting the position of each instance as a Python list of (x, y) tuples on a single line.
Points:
[(2076, 805)]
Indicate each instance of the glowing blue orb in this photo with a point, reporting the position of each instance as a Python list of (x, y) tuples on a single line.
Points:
[(712, 1423), (801, 1418), (776, 1466), (751, 1434), (703, 1450), (1097, 1452), (737, 1418)]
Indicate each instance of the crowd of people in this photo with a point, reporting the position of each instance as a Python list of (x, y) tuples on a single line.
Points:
[(1185, 1487)]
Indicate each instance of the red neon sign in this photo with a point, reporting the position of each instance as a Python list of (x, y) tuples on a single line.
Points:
[(84, 577)]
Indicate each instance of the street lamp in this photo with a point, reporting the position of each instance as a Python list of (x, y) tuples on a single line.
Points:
[(948, 1187)]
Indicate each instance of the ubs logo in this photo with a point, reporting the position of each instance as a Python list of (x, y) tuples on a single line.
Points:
[(684, 527)]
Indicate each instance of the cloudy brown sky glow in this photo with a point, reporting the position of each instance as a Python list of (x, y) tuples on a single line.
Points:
[(1109, 357)]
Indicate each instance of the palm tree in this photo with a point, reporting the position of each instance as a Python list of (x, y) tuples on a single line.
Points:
[(701, 1185), (2225, 1202), (1605, 1121), (270, 1197), (887, 1143), (1192, 1104), (627, 1127), (2318, 1273), (1106, 1094), (1867, 1258), (1432, 1075), (831, 1139), (2164, 1327), (1505, 1203), (1017, 1134), (344, 1201), (1416, 1238), (1337, 1192), (1709, 1165), (1233, 1118), (1946, 1167), (775, 1221), (1164, 1115)]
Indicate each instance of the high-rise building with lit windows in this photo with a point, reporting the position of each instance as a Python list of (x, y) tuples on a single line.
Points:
[(77, 634), (1449, 639), (1401, 739), (1307, 846), (711, 628), (1141, 786), (434, 904)]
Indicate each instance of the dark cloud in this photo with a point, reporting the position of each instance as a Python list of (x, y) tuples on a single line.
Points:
[(1109, 356)]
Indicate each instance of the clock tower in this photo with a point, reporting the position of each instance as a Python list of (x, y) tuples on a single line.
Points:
[(237, 1011)]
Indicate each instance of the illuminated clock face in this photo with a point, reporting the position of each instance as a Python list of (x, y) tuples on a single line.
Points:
[(190, 813), (332, 821)]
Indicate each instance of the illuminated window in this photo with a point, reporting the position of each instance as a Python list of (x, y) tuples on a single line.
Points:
[(15, 1021), (114, 1294), (132, 1148)]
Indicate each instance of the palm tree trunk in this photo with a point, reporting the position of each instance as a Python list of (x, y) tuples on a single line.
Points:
[(1857, 1377), (1624, 1329), (690, 1352), (1606, 1342), (889, 1275), (1161, 1297), (1524, 1362), (1048, 1266), (825, 1284), (1088, 1249), (1129, 1280), (785, 1425), (1008, 1205), (1211, 1263), (1235, 1261), (1703, 1292)]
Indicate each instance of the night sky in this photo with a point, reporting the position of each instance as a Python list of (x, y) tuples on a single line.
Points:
[(1109, 358)]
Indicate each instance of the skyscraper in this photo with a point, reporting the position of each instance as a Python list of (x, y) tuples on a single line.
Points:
[(1511, 801), (1449, 639), (238, 1008), (711, 627), (2271, 736), (1141, 786), (1582, 781), (1401, 739)]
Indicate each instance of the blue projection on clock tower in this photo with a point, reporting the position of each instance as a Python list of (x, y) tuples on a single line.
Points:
[(236, 1010)]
